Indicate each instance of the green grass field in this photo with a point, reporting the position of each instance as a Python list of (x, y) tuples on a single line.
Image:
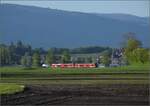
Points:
[(129, 75), (10, 88)]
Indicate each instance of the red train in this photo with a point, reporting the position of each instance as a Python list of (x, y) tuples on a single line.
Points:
[(73, 65)]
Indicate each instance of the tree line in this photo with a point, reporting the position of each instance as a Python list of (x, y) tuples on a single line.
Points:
[(23, 54), (12, 54)]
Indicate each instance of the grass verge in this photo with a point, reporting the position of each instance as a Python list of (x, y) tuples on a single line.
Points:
[(6, 88)]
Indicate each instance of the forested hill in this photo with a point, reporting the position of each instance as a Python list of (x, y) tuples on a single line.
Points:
[(45, 27)]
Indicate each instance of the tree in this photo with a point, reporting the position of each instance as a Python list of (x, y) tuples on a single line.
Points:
[(29, 49), (29, 61), (134, 52), (140, 55), (26, 60), (36, 59), (23, 61), (149, 55), (132, 44), (13, 53), (50, 57), (65, 57), (12, 50), (105, 59), (4, 55), (19, 48)]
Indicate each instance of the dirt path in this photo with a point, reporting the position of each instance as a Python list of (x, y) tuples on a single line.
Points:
[(80, 95)]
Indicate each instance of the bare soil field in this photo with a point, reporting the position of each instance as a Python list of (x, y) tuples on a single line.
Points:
[(104, 95)]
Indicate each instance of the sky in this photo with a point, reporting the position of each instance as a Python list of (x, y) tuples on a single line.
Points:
[(138, 8)]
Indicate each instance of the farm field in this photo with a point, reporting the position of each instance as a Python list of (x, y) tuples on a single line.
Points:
[(75, 76), (96, 86)]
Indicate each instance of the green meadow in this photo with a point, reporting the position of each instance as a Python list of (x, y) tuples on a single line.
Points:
[(6, 88), (126, 74)]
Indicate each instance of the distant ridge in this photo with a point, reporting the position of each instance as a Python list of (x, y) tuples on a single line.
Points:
[(44, 27)]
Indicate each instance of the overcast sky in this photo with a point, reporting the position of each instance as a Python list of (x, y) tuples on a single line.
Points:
[(139, 8)]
